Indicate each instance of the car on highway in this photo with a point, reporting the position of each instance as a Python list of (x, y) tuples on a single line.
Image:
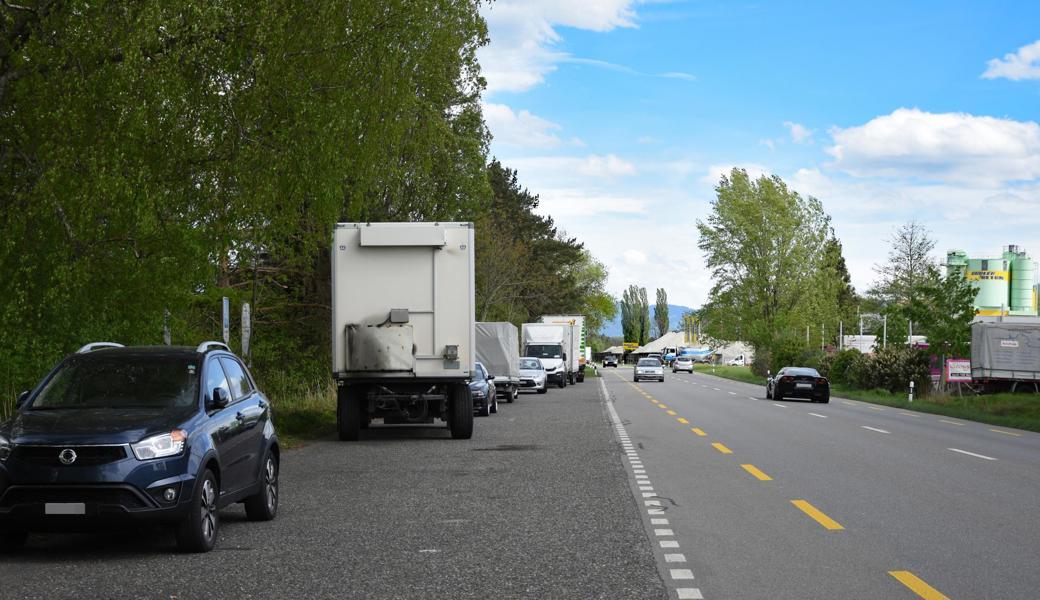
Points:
[(609, 361), (798, 382), (682, 363), (532, 375), (648, 368), (116, 435), (482, 389)]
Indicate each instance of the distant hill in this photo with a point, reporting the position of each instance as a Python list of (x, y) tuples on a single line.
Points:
[(675, 313)]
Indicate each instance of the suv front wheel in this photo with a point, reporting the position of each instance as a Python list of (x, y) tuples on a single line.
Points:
[(198, 532)]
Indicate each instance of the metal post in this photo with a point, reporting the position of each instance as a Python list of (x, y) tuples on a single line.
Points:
[(806, 336), (166, 327), (861, 325), (884, 332), (911, 390), (910, 338), (841, 335), (823, 329), (226, 320)]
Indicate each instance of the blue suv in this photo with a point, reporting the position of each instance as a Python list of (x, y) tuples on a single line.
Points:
[(119, 434)]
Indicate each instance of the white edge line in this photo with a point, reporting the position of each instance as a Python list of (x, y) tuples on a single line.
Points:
[(818, 415), (875, 429)]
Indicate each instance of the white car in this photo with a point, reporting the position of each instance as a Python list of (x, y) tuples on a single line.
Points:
[(682, 363), (532, 375), (739, 361), (648, 368)]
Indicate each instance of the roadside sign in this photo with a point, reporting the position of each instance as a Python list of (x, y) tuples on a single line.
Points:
[(958, 370), (630, 345), (227, 320), (247, 330)]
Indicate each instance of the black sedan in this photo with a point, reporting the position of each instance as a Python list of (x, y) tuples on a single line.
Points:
[(798, 382)]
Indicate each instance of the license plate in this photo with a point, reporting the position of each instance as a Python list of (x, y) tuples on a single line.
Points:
[(64, 508), (803, 386)]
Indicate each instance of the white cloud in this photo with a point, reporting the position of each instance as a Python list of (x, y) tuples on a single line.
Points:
[(768, 143), (715, 172), (574, 202), (561, 171), (679, 75), (1024, 64), (800, 134), (520, 129), (523, 36), (960, 147), (634, 257)]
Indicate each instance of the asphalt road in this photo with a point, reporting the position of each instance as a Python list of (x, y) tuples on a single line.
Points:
[(842, 500), (537, 505)]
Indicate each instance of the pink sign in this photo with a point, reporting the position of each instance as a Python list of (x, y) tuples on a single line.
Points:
[(958, 370)]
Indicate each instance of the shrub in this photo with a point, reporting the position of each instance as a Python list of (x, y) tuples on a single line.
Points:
[(840, 365)]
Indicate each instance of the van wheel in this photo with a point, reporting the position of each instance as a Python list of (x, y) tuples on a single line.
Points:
[(513, 395), (198, 531), (348, 414), (460, 412)]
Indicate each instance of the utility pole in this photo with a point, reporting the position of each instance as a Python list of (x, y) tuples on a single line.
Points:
[(884, 332), (841, 335)]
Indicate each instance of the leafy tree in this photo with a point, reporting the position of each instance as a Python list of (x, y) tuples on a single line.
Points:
[(635, 315), (909, 267), (950, 309), (765, 245), (661, 313)]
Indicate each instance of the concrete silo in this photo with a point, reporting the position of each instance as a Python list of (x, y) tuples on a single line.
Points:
[(1008, 285), (991, 277), (1023, 282)]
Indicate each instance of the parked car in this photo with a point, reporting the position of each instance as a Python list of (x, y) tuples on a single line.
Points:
[(140, 434), (737, 361), (798, 382), (533, 375), (656, 355), (482, 389), (648, 368), (609, 361), (682, 363)]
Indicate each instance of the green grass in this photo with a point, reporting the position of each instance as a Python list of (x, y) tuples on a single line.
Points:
[(1021, 411), (302, 412)]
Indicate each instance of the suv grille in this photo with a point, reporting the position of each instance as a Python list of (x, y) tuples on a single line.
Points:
[(85, 455), (117, 496)]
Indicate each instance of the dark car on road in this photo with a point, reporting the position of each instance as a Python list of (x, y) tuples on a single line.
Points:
[(118, 435), (798, 382), (482, 389), (610, 361)]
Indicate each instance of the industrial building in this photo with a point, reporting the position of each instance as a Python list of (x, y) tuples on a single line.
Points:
[(1007, 284)]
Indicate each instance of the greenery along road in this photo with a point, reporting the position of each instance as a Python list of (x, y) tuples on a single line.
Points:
[(158, 156)]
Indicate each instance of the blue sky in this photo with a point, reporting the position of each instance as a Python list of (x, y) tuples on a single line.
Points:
[(621, 114)]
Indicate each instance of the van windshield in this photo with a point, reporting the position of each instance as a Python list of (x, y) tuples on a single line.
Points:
[(544, 351)]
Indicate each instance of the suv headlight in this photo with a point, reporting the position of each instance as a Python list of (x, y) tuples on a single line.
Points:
[(5, 448), (160, 446)]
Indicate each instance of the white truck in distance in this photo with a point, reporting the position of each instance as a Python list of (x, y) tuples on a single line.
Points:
[(546, 342), (402, 325), (573, 343)]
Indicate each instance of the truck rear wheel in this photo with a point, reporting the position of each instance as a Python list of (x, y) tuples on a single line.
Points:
[(460, 412), (348, 413)]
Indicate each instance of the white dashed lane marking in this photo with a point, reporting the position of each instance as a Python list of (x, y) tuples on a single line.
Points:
[(653, 507), (875, 429), (982, 456), (818, 415)]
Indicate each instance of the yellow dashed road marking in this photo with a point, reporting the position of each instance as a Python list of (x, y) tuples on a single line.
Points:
[(817, 515), (1007, 432), (922, 589), (757, 473), (683, 421), (672, 413), (722, 448), (698, 432)]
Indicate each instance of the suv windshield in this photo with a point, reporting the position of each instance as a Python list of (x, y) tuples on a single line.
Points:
[(530, 364), (543, 351), (121, 382)]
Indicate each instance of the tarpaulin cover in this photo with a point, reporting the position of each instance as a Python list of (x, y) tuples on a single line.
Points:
[(1005, 351), (498, 349)]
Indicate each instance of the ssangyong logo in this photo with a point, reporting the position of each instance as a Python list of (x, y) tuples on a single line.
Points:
[(67, 456)]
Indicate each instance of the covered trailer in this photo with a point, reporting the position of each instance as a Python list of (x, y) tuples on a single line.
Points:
[(402, 324), (545, 341), (1005, 352), (498, 349)]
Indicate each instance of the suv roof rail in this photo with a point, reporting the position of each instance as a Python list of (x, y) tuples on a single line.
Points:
[(98, 345), (207, 346)]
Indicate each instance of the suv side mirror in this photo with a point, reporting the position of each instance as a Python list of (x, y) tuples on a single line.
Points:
[(220, 398), (490, 376), (22, 399)]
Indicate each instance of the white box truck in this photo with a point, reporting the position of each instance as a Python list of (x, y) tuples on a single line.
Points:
[(498, 349), (574, 343), (545, 341), (402, 324)]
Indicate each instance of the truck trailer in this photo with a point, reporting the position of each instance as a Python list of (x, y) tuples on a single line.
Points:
[(1005, 354), (574, 343), (545, 341), (402, 325), (498, 349)]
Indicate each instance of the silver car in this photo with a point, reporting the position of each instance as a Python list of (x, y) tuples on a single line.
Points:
[(532, 375), (682, 363), (648, 368)]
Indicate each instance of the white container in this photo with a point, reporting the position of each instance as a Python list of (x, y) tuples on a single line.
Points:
[(574, 343), (422, 270)]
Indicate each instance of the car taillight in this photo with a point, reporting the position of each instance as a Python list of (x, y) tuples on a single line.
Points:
[(785, 378), (821, 380)]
